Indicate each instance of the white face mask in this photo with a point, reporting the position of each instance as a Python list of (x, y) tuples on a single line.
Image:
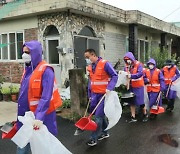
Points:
[(88, 61), (151, 67), (168, 66), (26, 57), (129, 61)]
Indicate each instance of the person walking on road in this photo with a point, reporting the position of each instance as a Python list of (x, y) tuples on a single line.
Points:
[(103, 79), (154, 81), (135, 74), (171, 74), (38, 91)]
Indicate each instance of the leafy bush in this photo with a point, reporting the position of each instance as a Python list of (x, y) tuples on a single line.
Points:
[(161, 57), (5, 90), (14, 89), (66, 103), (73, 117)]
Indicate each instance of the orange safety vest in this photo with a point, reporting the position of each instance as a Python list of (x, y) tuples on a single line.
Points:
[(144, 70), (154, 84), (169, 74), (99, 79), (135, 83), (35, 90)]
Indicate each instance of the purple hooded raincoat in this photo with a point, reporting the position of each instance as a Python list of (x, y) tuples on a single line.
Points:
[(96, 97), (47, 88), (139, 91), (153, 95)]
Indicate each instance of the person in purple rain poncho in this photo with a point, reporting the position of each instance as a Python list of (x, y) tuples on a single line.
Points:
[(154, 81), (135, 74), (171, 74), (102, 79), (32, 56)]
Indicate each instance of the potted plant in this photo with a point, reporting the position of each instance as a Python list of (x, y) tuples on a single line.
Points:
[(6, 93), (14, 89)]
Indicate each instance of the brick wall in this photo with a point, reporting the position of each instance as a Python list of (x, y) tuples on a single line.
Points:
[(31, 34), (13, 68)]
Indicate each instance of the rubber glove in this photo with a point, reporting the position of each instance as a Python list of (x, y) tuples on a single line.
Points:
[(129, 75), (107, 91)]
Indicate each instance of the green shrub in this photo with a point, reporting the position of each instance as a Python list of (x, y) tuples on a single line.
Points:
[(14, 89), (73, 116), (161, 57), (66, 103), (5, 90)]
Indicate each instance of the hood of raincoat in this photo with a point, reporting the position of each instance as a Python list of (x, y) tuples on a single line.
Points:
[(130, 56), (35, 48), (152, 61)]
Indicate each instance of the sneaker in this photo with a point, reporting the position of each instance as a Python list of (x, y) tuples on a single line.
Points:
[(169, 109), (145, 118), (91, 142), (132, 120), (103, 136), (152, 116)]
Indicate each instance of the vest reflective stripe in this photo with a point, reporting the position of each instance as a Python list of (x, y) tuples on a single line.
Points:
[(32, 103), (154, 85), (99, 78), (169, 74), (136, 79), (35, 89), (99, 83)]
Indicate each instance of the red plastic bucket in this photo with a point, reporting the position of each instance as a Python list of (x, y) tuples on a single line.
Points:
[(86, 123), (158, 111)]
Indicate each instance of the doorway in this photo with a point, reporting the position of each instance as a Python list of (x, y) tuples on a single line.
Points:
[(53, 57), (84, 40)]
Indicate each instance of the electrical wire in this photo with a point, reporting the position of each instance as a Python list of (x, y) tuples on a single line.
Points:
[(171, 13)]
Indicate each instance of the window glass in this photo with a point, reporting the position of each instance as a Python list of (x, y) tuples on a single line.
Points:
[(87, 31), (5, 47), (19, 44), (53, 53), (142, 52), (12, 46)]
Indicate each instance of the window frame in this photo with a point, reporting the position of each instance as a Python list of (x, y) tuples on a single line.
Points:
[(8, 46)]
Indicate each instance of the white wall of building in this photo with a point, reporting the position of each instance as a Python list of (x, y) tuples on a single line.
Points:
[(18, 24)]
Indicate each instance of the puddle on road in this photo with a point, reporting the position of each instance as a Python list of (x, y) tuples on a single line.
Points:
[(168, 139)]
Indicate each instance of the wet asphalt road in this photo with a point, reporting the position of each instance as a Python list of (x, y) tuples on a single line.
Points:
[(125, 138)]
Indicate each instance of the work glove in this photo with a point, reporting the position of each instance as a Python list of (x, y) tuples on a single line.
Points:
[(107, 91), (128, 75), (173, 79), (37, 124)]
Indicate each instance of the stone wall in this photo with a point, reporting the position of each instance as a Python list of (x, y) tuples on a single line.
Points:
[(11, 71), (67, 26)]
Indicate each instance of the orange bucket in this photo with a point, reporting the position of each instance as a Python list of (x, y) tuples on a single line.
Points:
[(86, 123), (159, 110)]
